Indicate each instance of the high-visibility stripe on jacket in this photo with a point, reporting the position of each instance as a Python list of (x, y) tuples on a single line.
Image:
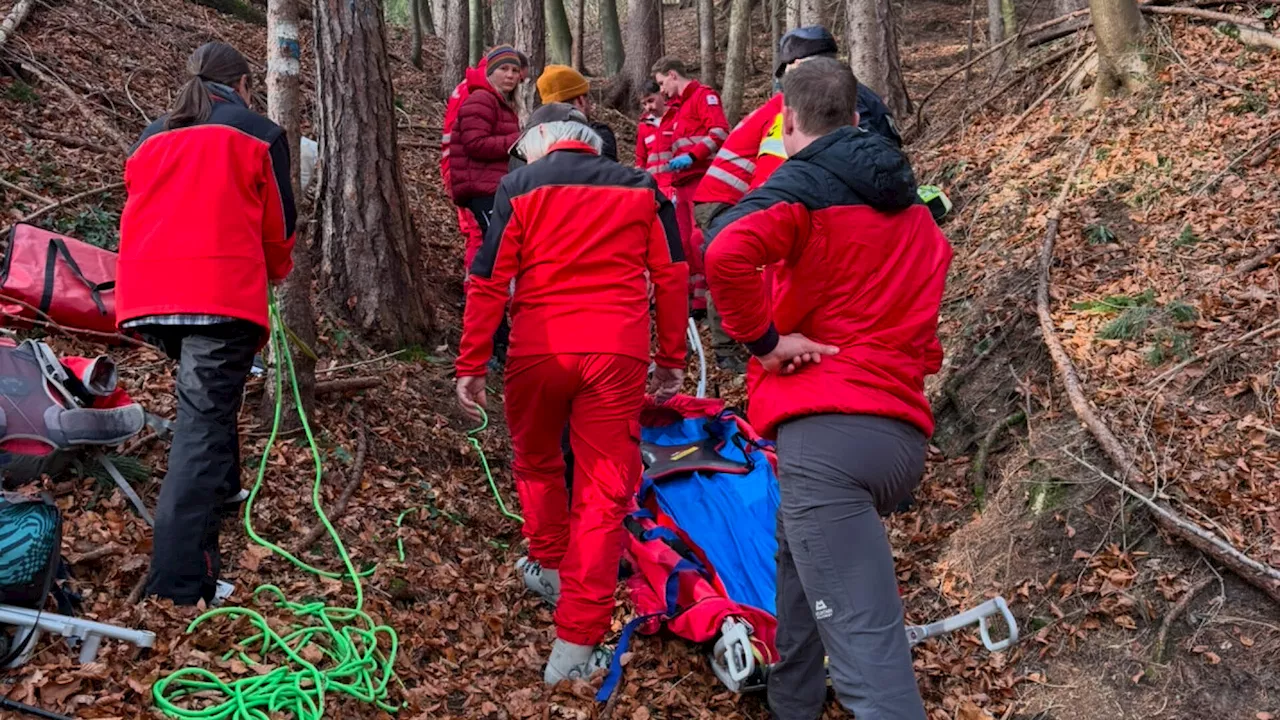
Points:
[(653, 147), (698, 130)]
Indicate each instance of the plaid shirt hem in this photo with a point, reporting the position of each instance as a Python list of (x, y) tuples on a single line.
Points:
[(178, 319)]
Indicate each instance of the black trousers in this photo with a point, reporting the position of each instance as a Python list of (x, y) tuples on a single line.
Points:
[(204, 461), (482, 208)]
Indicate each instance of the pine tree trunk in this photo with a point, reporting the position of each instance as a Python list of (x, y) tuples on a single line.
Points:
[(811, 13), (873, 53), (475, 31), (504, 31), (1118, 26), (735, 64), (559, 39), (793, 13), (612, 32), (531, 38), (284, 107), (995, 33), (707, 40), (579, 35), (456, 44), (426, 16), (369, 248), (1009, 19), (644, 47), (775, 30), (416, 20)]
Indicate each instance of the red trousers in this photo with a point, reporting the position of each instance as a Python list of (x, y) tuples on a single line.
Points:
[(473, 238), (600, 397), (691, 239)]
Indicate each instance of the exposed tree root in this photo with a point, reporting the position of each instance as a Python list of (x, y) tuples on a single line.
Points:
[(978, 473), (1263, 576), (353, 483), (1180, 607)]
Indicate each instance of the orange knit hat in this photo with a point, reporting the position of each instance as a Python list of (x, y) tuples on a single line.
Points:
[(561, 84)]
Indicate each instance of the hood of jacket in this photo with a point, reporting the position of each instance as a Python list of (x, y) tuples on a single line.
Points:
[(866, 164), (477, 80)]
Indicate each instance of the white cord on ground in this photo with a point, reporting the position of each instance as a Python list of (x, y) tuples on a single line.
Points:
[(695, 340)]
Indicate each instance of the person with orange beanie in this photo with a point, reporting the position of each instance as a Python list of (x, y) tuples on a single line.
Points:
[(563, 84)]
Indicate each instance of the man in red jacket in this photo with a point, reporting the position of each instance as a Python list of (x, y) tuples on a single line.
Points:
[(653, 136), (698, 129), (841, 354), (577, 233)]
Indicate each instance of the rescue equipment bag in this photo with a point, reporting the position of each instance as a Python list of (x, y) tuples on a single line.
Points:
[(47, 276), (30, 542)]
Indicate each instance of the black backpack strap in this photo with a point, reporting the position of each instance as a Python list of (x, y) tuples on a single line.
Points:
[(57, 246)]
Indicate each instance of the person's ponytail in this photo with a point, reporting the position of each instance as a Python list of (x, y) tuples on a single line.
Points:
[(215, 62)]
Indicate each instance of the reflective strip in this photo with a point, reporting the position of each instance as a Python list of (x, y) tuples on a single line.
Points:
[(773, 146), (727, 179), (711, 143), (692, 140), (444, 153), (720, 134), (732, 158), (445, 138)]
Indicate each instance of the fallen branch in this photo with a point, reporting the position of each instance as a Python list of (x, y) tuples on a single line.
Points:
[(135, 595), (1252, 149), (25, 192), (360, 363), (978, 474), (1059, 33), (95, 119), (15, 17), (347, 385), (73, 199), (67, 140), (1236, 20), (1071, 71), (353, 483), (1163, 378), (1256, 261), (1162, 638), (988, 53), (1265, 577), (96, 554)]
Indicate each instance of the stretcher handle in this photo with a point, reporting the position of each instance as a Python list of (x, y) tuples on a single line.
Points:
[(732, 659), (980, 615)]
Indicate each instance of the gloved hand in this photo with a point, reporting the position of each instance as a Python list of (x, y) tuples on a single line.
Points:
[(681, 162)]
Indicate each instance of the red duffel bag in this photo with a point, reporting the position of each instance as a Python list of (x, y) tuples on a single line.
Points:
[(50, 277)]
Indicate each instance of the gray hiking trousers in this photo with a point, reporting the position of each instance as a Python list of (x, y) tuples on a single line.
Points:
[(837, 590)]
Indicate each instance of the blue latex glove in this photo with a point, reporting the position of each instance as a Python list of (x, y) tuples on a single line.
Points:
[(681, 162)]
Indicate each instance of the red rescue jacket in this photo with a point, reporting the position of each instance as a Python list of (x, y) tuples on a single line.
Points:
[(697, 130), (459, 96), (750, 155), (483, 133), (653, 147), (860, 264), (577, 232), (209, 219)]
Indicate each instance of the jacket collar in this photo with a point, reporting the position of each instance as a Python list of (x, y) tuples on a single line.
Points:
[(572, 146), (689, 90), (225, 93)]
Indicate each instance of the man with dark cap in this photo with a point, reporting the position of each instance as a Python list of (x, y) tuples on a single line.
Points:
[(754, 150)]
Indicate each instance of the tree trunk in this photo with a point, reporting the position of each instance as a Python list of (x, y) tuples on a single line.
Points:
[(775, 30), (873, 51), (811, 13), (440, 15), (531, 38), (735, 63), (369, 248), (475, 31), (707, 40), (995, 34), (1063, 7), (504, 32), (1118, 27), (417, 10), (426, 16), (612, 32), (579, 35), (644, 47), (1009, 21), (456, 44), (560, 40), (284, 107), (793, 13)]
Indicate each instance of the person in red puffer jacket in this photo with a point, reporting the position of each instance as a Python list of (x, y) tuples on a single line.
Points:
[(208, 223)]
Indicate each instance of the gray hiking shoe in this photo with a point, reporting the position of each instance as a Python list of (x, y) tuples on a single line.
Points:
[(573, 662), (540, 581)]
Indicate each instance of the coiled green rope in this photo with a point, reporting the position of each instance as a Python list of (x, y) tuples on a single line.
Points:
[(326, 650)]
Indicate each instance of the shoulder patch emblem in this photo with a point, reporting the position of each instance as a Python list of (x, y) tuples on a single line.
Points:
[(712, 99)]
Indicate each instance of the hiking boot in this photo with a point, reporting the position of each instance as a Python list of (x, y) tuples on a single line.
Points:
[(540, 581), (237, 498), (574, 662)]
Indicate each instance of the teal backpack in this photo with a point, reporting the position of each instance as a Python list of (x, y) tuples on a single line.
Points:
[(30, 549)]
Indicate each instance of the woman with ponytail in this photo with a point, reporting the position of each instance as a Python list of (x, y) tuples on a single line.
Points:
[(208, 224)]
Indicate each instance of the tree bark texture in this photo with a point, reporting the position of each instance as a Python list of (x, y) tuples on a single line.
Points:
[(416, 22), (735, 64), (456, 44), (559, 38), (644, 47), (873, 51), (995, 33), (793, 13), (284, 107), (579, 35), (16, 15), (426, 15), (1117, 24), (1062, 7), (531, 38), (369, 248), (475, 31), (775, 30), (1009, 21), (504, 31), (811, 13), (707, 40), (611, 30)]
